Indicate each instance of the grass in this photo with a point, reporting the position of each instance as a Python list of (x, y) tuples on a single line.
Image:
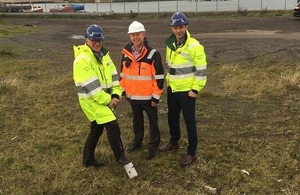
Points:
[(275, 79), (248, 133)]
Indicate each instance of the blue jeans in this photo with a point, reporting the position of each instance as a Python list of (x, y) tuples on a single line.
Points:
[(177, 102)]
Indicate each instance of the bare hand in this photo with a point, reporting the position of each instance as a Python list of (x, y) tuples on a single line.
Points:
[(191, 94), (153, 104), (113, 103)]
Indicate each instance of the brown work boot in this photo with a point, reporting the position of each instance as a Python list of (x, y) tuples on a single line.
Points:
[(170, 146), (187, 160)]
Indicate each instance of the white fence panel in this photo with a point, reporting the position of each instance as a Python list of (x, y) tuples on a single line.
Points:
[(181, 5)]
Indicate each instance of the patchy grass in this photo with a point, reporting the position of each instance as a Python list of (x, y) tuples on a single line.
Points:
[(256, 82), (10, 30)]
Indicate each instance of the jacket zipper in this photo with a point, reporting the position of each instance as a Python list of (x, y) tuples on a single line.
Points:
[(139, 68), (103, 77)]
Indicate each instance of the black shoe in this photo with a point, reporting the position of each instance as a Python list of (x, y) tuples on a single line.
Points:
[(123, 160), (151, 153), (134, 146), (95, 164)]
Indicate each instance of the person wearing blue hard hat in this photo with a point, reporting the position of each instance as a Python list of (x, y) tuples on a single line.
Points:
[(186, 77), (97, 82)]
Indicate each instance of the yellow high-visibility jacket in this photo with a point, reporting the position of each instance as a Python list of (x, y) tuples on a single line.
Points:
[(186, 65), (97, 81)]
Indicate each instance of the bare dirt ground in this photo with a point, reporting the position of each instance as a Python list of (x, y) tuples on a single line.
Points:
[(226, 40)]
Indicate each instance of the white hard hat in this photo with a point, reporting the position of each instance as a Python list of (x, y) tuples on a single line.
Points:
[(135, 27)]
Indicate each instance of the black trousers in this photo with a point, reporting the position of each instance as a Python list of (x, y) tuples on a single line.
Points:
[(138, 124), (113, 136), (177, 102)]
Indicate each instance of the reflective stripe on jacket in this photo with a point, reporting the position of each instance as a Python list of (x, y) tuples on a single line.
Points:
[(186, 64), (96, 83), (142, 79)]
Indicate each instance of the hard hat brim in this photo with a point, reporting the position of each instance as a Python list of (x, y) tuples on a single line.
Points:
[(135, 31), (94, 38)]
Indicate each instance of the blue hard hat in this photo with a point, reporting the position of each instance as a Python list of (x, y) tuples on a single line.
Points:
[(178, 19), (94, 32)]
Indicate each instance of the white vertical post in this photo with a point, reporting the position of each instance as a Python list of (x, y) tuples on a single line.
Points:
[(285, 5), (124, 7), (138, 7)]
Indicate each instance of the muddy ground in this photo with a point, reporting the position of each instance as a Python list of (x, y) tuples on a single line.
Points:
[(226, 40)]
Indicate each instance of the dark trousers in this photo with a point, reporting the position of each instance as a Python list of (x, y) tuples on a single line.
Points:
[(113, 136), (177, 102), (138, 124)]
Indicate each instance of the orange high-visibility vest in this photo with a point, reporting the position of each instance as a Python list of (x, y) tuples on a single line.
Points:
[(142, 79)]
